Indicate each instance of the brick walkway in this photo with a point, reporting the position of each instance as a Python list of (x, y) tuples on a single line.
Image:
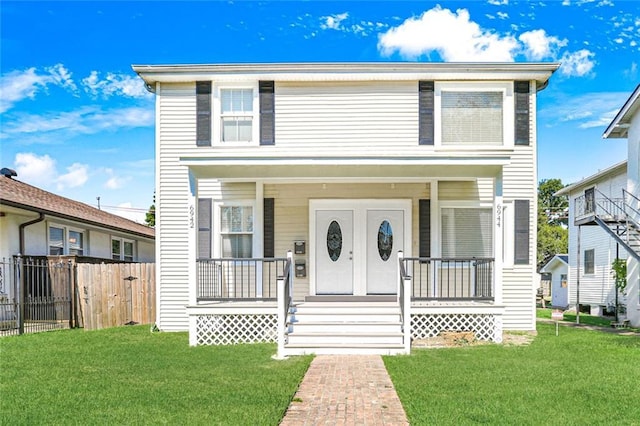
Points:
[(346, 390)]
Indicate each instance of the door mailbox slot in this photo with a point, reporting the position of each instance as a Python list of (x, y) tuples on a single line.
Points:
[(301, 269)]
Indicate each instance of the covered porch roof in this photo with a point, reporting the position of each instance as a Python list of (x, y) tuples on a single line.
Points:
[(352, 168)]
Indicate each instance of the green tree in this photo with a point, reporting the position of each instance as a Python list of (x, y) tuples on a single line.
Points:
[(553, 235), (150, 218)]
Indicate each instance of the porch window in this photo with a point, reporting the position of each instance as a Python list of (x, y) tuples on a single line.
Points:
[(589, 261), (236, 231), (467, 232), (236, 115)]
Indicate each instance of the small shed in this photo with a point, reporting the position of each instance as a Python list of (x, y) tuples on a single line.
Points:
[(558, 267)]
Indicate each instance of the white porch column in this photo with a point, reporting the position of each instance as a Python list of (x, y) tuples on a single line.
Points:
[(258, 234), (192, 239), (498, 235)]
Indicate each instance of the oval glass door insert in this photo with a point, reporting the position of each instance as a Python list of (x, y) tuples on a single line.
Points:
[(385, 240), (334, 240)]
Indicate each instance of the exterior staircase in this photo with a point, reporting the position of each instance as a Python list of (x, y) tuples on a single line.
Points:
[(618, 217), (344, 326)]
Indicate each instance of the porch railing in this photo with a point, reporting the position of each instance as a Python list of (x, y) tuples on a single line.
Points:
[(239, 279), (450, 278), (597, 204)]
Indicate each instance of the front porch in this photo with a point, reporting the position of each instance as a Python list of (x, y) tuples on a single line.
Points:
[(251, 300)]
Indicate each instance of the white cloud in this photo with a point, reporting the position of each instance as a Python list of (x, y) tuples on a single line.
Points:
[(338, 22), (538, 45), (498, 2), (116, 182), (333, 22), (77, 175), (114, 85), (587, 110), (86, 120), (452, 35), (37, 170), (127, 211), (503, 15), (16, 86), (578, 63)]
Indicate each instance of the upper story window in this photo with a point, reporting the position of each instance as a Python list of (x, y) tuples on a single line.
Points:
[(469, 114), (63, 240), (122, 249), (236, 115), (472, 118)]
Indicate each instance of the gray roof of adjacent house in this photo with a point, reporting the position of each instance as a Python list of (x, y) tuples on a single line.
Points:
[(619, 127), (550, 265), (617, 168), (21, 195)]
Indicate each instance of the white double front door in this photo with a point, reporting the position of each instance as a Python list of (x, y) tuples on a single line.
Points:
[(356, 244)]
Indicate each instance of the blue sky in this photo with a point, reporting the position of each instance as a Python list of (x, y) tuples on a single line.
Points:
[(76, 120)]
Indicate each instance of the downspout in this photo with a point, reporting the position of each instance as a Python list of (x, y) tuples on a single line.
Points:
[(40, 218)]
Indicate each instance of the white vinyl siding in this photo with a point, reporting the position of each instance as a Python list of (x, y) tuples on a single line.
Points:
[(332, 119), (356, 116)]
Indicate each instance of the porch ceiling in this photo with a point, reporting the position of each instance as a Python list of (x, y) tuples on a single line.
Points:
[(250, 169)]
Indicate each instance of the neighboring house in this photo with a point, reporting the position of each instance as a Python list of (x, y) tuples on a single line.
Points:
[(405, 194), (626, 124), (592, 250), (558, 269), (34, 222)]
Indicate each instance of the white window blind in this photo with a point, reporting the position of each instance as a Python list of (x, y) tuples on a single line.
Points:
[(236, 231), (467, 232), (472, 118)]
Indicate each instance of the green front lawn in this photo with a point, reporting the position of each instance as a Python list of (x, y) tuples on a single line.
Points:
[(587, 319), (578, 377), (128, 375)]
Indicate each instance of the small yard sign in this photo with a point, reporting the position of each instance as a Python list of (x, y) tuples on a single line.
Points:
[(557, 315)]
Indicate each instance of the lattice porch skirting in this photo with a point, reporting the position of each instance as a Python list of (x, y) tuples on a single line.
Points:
[(229, 329), (485, 326)]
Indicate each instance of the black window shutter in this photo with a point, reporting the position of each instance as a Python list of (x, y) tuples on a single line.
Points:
[(521, 234), (203, 113), (425, 112), (424, 213), (269, 228), (521, 95), (267, 112), (204, 228)]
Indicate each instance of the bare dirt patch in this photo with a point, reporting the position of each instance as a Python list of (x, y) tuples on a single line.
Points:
[(451, 339)]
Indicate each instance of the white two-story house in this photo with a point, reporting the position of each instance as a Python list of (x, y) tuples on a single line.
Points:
[(345, 207)]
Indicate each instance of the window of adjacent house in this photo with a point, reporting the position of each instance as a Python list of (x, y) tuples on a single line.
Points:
[(473, 113), (122, 249), (236, 231), (66, 241), (236, 115), (467, 232), (56, 241), (589, 261)]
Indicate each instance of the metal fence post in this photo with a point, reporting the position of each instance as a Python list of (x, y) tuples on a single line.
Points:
[(19, 292)]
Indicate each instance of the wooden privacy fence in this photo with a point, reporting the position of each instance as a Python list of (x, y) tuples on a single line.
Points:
[(115, 294)]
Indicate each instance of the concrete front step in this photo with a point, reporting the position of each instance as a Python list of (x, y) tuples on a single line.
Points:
[(334, 308), (350, 317), (364, 326), (343, 338), (344, 349)]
